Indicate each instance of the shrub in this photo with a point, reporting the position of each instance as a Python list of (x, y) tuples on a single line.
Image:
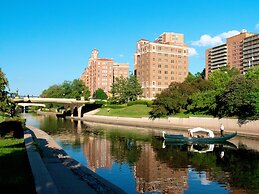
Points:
[(12, 127)]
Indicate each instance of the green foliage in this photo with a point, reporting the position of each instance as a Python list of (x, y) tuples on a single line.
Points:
[(100, 94), (145, 102), (253, 73), (6, 105), (172, 99), (125, 90), (3, 93), (225, 94), (239, 99), (222, 76), (75, 89), (203, 102)]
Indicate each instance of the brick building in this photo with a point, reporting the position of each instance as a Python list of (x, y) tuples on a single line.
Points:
[(158, 63), (236, 52), (101, 72)]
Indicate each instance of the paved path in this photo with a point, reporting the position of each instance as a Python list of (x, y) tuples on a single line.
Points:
[(56, 172)]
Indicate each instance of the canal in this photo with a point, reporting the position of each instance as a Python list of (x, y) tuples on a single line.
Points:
[(138, 162)]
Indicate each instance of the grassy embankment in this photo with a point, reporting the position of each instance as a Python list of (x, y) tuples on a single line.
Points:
[(136, 111), (15, 171)]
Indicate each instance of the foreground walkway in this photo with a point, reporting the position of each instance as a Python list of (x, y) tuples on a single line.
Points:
[(55, 172)]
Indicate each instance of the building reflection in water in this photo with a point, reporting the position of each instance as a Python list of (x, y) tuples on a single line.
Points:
[(151, 175), (97, 152), (154, 176)]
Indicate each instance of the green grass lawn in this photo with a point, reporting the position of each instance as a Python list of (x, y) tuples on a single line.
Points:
[(136, 111), (15, 172)]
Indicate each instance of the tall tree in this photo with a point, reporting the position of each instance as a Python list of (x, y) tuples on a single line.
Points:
[(75, 89), (253, 73), (221, 77), (240, 99), (125, 89), (172, 99), (6, 105), (133, 88), (100, 94)]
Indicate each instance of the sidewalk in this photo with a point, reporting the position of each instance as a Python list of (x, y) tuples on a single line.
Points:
[(55, 172)]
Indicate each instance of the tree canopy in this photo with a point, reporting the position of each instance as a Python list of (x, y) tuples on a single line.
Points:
[(125, 89), (225, 94), (3, 91), (6, 105), (100, 94), (75, 89)]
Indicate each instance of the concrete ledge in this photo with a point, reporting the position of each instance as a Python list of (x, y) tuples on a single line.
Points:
[(42, 180), (68, 175)]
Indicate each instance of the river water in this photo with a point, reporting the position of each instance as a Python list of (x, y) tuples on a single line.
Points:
[(138, 162)]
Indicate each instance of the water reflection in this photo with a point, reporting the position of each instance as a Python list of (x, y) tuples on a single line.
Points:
[(139, 163)]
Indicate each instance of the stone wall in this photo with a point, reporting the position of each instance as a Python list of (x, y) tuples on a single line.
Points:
[(231, 125)]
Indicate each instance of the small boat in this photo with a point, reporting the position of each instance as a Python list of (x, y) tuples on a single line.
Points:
[(209, 138)]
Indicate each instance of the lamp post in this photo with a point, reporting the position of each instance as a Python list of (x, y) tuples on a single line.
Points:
[(82, 97)]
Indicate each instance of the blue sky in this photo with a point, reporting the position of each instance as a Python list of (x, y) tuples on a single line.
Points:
[(45, 42)]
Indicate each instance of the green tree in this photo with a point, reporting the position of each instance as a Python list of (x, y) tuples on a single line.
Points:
[(100, 94), (172, 99), (253, 73), (125, 90), (203, 102), (133, 88), (240, 99), (75, 89), (221, 77), (6, 104)]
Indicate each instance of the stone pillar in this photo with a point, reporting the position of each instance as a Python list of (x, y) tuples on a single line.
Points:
[(79, 110)]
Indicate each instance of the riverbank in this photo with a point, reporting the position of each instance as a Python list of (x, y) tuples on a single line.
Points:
[(56, 172), (243, 128)]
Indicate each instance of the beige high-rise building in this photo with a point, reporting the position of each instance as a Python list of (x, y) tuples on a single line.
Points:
[(158, 63), (251, 52), (230, 53), (101, 73)]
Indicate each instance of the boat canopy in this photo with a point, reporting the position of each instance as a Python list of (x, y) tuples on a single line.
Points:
[(199, 129), (209, 149)]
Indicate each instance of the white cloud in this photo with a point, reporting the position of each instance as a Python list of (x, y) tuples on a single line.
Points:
[(257, 26), (207, 40), (229, 34), (121, 55), (192, 52)]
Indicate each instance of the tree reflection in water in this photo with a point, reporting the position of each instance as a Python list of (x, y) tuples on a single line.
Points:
[(153, 168)]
